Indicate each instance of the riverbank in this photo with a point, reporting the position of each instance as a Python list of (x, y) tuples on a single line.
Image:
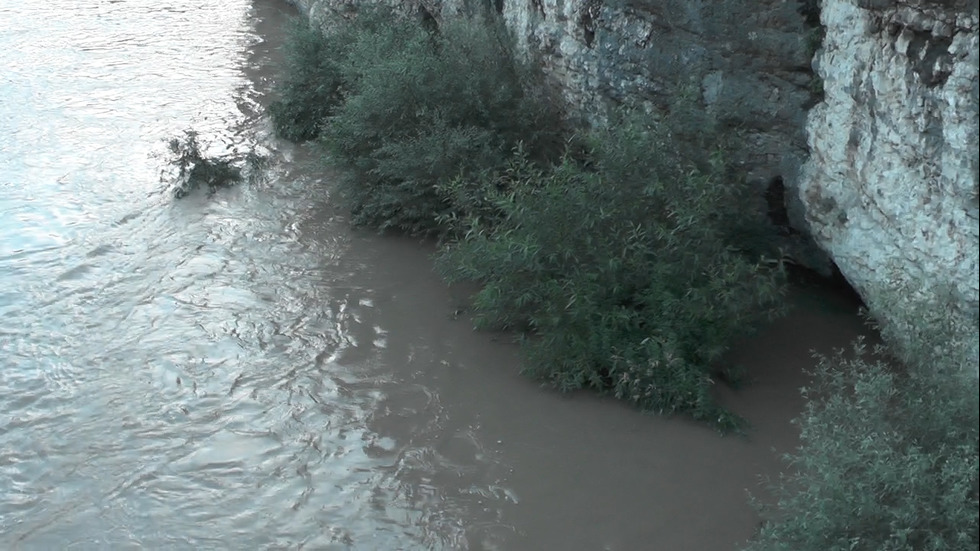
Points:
[(627, 265)]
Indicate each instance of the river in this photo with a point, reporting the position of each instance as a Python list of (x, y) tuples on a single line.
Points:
[(245, 371)]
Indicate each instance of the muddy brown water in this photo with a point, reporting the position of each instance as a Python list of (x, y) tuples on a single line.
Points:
[(247, 372)]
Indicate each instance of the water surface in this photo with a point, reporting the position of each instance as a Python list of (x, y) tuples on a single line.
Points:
[(244, 371)]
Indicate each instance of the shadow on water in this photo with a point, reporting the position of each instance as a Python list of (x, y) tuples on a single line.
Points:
[(525, 467)]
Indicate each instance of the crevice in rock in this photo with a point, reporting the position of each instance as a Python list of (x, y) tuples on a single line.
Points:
[(924, 50), (810, 10), (839, 283), (814, 36), (776, 206), (539, 7), (806, 277), (588, 20), (427, 20)]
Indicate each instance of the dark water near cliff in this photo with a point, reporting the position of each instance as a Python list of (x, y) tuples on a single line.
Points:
[(246, 372)]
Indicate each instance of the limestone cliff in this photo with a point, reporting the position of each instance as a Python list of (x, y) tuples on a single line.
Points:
[(890, 187)]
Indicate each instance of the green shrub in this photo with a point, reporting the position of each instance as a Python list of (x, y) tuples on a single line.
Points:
[(312, 84), (619, 265), (423, 107), (888, 458)]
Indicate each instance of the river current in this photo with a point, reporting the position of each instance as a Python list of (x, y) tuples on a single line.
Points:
[(245, 371)]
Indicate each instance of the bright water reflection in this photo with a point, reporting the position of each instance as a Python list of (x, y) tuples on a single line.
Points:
[(171, 370)]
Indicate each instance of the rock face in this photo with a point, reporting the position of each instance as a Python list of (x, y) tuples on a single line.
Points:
[(890, 188)]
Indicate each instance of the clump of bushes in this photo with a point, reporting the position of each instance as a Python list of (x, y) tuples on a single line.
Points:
[(889, 449), (312, 84), (405, 108), (616, 254), (620, 268)]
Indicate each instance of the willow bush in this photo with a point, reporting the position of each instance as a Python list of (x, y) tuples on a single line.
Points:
[(618, 266), (616, 253), (889, 448), (406, 107), (312, 85)]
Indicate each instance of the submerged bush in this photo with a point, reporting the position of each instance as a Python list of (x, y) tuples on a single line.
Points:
[(195, 170), (619, 267), (889, 448)]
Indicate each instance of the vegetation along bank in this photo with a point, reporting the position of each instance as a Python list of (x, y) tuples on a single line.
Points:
[(629, 257)]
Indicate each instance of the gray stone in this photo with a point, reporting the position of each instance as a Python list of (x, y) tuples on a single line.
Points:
[(890, 187)]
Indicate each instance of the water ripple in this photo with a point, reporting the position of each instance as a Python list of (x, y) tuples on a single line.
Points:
[(172, 370), (243, 371)]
